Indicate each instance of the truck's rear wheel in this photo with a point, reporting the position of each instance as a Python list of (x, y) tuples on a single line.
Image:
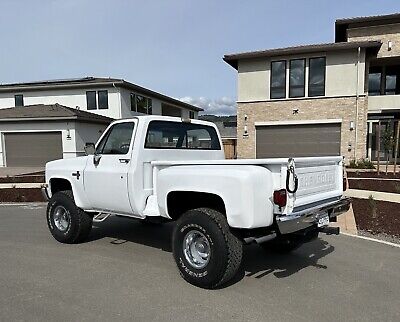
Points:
[(206, 252), (67, 223)]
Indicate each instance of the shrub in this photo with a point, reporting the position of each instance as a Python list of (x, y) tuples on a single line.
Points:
[(373, 206), (361, 164)]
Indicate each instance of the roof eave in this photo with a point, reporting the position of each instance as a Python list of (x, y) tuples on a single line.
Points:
[(232, 59)]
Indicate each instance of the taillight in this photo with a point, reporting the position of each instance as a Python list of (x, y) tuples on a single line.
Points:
[(280, 197)]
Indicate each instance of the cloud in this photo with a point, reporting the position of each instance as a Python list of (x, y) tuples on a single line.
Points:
[(219, 106)]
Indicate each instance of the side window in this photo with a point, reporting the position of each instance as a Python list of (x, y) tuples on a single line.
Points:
[(117, 140)]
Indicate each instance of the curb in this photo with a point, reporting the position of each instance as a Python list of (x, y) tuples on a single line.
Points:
[(373, 239)]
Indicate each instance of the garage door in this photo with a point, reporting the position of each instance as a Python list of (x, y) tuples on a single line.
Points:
[(32, 149), (300, 140)]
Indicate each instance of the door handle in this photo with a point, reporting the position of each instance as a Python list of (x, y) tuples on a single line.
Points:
[(124, 160)]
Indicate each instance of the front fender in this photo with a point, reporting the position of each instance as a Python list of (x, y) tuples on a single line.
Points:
[(245, 190), (63, 169)]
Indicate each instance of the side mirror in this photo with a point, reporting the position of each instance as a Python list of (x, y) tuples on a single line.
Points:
[(90, 149)]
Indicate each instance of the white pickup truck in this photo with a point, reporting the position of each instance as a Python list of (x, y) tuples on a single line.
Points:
[(170, 169)]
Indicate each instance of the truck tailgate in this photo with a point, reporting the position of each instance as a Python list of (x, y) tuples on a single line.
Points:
[(319, 180)]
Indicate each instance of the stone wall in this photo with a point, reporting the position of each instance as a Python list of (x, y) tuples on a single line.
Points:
[(382, 33), (309, 109)]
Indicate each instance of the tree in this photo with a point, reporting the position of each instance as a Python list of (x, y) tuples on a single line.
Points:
[(388, 144)]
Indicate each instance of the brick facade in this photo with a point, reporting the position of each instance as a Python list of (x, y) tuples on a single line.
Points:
[(382, 33), (309, 109)]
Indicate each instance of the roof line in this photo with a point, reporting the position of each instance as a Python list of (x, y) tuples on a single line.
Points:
[(232, 59), (90, 82)]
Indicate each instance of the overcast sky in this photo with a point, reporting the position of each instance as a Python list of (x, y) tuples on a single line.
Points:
[(171, 46)]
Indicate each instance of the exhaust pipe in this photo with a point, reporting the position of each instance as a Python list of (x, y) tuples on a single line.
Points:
[(260, 240)]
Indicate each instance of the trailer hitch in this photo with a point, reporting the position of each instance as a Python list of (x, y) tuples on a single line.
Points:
[(329, 230)]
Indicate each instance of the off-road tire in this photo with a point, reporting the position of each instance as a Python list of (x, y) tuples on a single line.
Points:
[(80, 222), (226, 249)]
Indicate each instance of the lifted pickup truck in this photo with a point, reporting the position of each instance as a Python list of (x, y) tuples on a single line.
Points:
[(168, 169)]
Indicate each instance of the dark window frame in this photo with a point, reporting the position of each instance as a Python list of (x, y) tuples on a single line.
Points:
[(284, 82), (21, 97), (186, 126), (309, 77), (104, 139), (87, 101), (304, 78), (99, 103)]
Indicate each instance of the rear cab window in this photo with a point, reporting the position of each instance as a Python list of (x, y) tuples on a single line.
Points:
[(175, 135)]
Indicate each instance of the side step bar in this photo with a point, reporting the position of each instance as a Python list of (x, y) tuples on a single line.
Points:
[(100, 217)]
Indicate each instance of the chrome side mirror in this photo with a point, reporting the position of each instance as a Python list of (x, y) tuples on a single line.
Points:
[(90, 149)]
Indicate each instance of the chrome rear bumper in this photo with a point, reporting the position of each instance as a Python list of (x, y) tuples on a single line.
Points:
[(308, 217)]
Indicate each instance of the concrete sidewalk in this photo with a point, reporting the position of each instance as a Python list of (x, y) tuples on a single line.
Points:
[(17, 171), (20, 185), (377, 195)]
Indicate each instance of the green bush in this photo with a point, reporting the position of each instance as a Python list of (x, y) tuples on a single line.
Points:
[(361, 164)]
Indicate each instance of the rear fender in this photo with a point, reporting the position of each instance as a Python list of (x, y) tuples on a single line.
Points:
[(245, 190)]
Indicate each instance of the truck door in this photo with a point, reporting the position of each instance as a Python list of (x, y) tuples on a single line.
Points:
[(106, 175)]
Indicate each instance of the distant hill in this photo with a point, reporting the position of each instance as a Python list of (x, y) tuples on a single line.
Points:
[(216, 118)]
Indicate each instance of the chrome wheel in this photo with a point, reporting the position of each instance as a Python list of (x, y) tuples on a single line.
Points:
[(196, 249), (62, 218)]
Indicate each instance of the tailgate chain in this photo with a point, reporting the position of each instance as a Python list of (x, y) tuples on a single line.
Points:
[(291, 170)]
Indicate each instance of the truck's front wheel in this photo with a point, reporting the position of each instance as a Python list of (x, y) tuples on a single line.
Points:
[(206, 252), (67, 223)]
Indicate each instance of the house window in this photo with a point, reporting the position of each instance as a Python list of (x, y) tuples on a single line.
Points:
[(191, 114), (19, 100), (278, 79), (297, 73), (392, 80), (141, 104), (103, 99), (91, 100), (374, 81), (316, 77)]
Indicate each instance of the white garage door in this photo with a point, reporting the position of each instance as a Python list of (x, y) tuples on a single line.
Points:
[(32, 149)]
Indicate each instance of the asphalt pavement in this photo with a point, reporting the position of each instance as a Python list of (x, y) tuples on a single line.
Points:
[(125, 271)]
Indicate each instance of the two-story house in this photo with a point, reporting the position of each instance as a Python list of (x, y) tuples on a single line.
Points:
[(321, 99), (47, 120)]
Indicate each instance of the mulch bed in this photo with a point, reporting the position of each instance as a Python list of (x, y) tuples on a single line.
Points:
[(23, 179), (373, 174), (377, 217), (21, 195), (375, 185)]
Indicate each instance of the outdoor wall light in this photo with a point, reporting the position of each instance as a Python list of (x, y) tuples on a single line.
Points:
[(349, 146), (245, 133), (389, 45), (351, 125), (68, 135)]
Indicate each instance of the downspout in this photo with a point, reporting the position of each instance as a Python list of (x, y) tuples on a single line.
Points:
[(119, 99), (357, 98)]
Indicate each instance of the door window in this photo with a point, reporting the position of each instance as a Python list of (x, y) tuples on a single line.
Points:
[(117, 140)]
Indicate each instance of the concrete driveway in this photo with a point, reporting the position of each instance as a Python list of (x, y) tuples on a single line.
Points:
[(126, 272)]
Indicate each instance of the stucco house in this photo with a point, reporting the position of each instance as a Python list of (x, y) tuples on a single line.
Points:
[(321, 99), (46, 120)]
